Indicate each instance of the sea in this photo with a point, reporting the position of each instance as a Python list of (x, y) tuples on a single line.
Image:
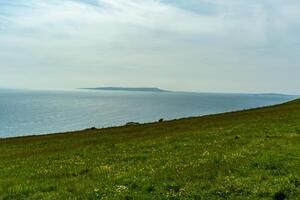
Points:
[(35, 112)]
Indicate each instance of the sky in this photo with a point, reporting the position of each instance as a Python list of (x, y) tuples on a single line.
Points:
[(250, 46)]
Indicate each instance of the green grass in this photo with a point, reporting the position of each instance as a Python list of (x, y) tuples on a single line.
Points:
[(252, 154)]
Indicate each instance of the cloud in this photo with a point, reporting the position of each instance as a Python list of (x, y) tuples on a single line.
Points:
[(147, 14), (118, 41)]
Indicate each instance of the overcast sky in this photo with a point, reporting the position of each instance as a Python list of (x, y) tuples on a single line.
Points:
[(192, 45)]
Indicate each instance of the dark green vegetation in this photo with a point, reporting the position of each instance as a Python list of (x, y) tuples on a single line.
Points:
[(253, 154)]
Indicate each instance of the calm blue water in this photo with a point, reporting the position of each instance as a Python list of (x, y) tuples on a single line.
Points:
[(24, 112)]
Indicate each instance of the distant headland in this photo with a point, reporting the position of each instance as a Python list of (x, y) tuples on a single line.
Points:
[(132, 89)]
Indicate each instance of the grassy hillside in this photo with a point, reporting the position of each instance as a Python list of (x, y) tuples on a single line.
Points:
[(252, 154)]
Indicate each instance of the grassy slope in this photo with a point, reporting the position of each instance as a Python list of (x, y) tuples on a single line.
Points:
[(252, 154)]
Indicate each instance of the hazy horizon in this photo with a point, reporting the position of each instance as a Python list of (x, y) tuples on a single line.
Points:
[(163, 89), (180, 45)]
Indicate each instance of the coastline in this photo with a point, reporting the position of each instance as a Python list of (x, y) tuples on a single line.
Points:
[(224, 156), (147, 123)]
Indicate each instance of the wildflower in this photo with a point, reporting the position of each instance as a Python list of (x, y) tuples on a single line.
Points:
[(121, 188)]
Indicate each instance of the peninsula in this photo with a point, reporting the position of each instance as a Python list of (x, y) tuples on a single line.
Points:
[(131, 89)]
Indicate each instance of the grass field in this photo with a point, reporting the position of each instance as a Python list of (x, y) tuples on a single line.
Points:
[(252, 154)]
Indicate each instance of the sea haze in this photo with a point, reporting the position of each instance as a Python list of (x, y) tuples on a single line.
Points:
[(25, 112)]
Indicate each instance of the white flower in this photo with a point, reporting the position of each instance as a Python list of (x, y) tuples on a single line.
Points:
[(121, 188)]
